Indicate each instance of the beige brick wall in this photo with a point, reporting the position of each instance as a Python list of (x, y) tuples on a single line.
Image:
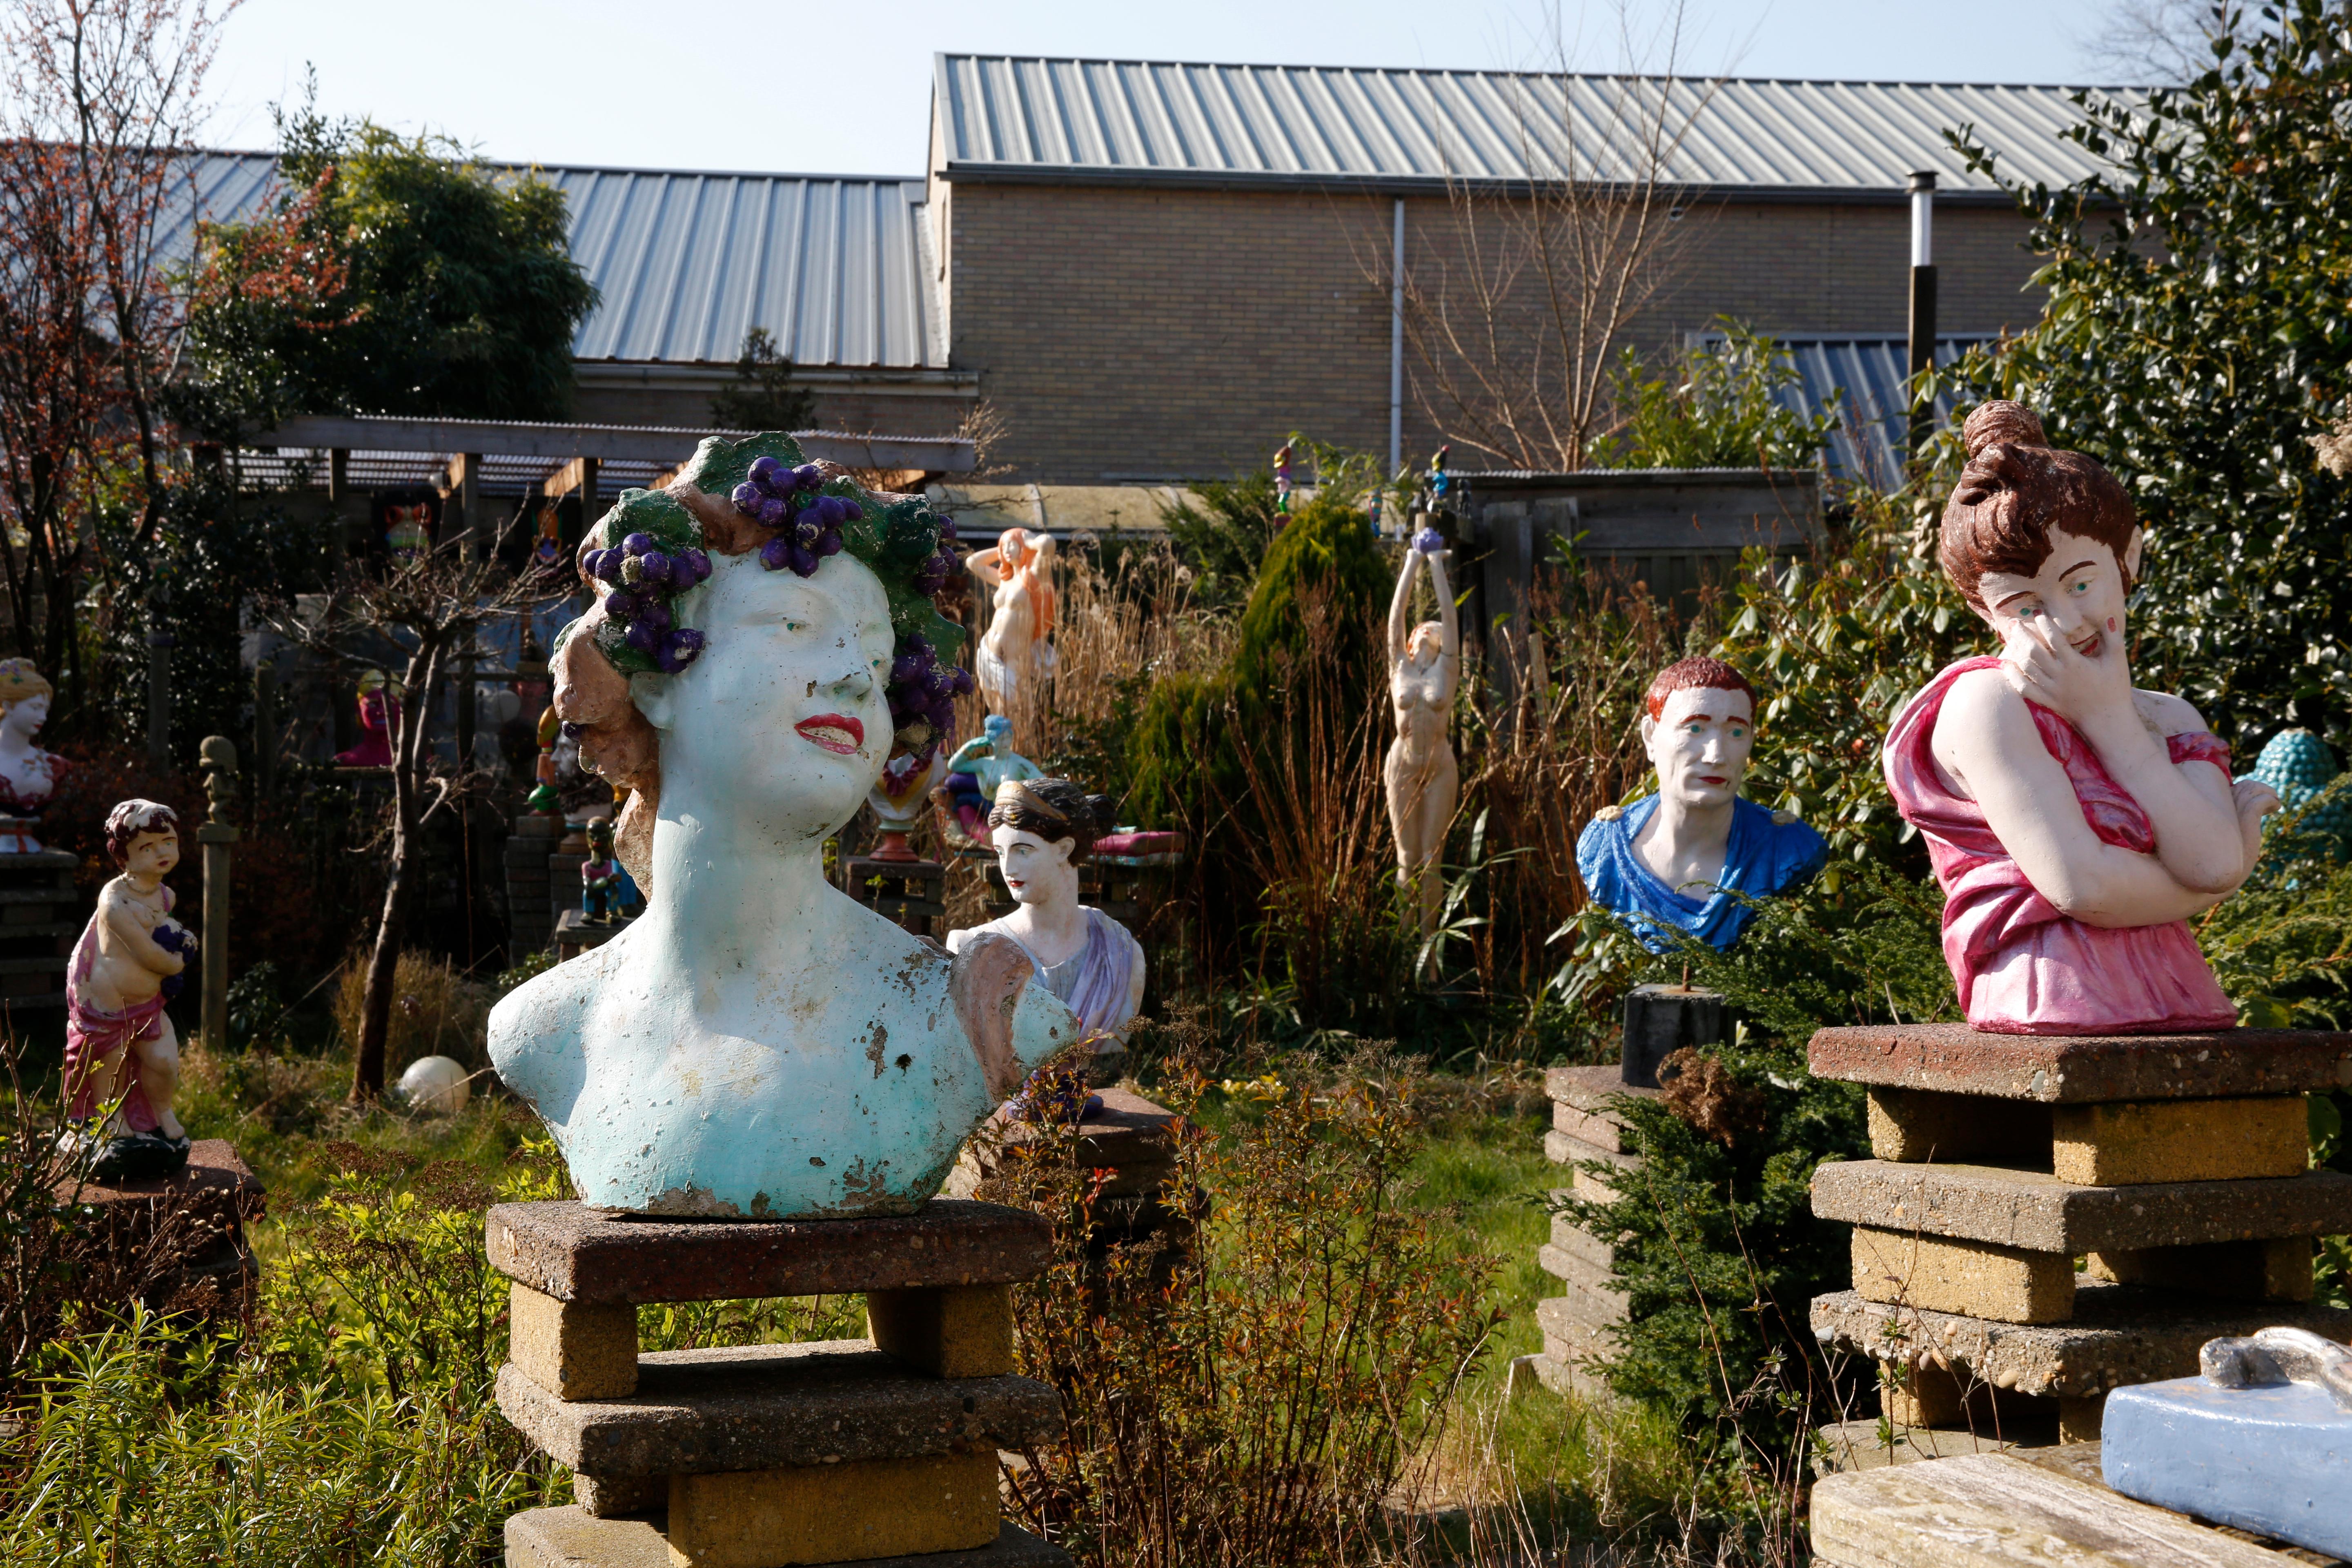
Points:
[(880, 413), (1176, 333)]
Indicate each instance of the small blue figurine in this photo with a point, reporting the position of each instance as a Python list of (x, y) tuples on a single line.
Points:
[(1684, 859), (605, 886)]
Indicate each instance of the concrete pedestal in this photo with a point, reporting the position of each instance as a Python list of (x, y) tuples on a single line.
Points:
[(878, 1450), (184, 1234), (1585, 1128), (40, 916), (2173, 1164)]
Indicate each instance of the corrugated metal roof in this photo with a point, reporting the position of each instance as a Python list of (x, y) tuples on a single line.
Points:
[(1143, 120), (1866, 377), (839, 269)]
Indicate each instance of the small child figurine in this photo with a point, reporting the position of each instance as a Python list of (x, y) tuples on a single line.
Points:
[(119, 1040), (605, 885)]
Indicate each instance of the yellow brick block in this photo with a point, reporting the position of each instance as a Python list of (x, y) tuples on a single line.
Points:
[(2003, 1283), (2127, 1145), (955, 1331), (1912, 1126), (572, 1350), (2277, 1270), (833, 1513), (2079, 1418)]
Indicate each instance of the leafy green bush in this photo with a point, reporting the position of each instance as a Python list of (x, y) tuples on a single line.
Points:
[(1713, 405), (1716, 1246), (2197, 342)]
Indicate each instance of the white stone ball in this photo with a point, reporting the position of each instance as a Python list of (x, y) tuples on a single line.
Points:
[(435, 1084)]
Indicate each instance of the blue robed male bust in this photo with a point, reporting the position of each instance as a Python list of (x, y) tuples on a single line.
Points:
[(1686, 858)]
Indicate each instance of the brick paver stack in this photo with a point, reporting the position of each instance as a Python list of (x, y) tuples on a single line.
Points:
[(2175, 1165), (1576, 1323), (881, 1451)]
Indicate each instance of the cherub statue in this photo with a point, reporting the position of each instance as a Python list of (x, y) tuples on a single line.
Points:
[(28, 775), (119, 1040), (1689, 857), (1015, 657), (1042, 830), (758, 1044), (2074, 822), (1424, 781)]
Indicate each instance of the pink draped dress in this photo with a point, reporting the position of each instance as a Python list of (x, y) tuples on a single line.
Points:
[(2022, 967)]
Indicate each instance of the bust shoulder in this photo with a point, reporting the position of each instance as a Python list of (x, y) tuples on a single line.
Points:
[(1609, 814), (2167, 714)]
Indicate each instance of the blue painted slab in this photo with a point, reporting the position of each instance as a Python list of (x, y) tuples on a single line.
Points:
[(2275, 1460)]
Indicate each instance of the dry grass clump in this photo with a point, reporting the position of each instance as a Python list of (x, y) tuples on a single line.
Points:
[(436, 1012)]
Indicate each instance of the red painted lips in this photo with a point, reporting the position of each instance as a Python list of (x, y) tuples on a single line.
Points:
[(833, 731)]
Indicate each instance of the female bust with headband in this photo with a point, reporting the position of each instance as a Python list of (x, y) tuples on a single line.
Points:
[(2074, 822), (1042, 830)]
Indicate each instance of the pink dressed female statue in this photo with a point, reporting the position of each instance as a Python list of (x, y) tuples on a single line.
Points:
[(2074, 822)]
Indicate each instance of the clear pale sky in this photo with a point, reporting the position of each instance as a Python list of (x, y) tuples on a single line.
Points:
[(845, 88)]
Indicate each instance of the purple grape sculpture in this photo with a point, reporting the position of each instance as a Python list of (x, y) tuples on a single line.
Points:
[(644, 577)]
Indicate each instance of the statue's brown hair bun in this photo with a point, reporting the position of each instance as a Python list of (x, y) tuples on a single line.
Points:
[(2002, 420), (2014, 489)]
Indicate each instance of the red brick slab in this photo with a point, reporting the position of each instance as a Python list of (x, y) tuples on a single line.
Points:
[(2063, 1069), (574, 1253)]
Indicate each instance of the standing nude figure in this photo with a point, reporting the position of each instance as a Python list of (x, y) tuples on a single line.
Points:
[(1015, 658), (1424, 785), (119, 1040)]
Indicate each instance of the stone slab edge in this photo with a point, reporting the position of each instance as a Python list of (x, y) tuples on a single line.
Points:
[(764, 1420), (1590, 1088), (573, 1253), (2121, 1335), (2059, 1069), (2036, 1211), (573, 1538)]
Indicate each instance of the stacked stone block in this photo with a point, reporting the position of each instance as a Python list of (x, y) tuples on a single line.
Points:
[(2173, 1166), (1576, 1323), (881, 1450)]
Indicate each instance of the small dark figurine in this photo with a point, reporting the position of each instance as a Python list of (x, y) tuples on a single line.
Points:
[(605, 886)]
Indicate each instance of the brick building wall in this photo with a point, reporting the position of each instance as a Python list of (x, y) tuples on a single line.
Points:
[(1161, 333)]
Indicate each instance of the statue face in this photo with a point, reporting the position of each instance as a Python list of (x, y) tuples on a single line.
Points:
[(151, 853), (1699, 743), (1036, 872), (2079, 590), (783, 721), (1428, 642), (29, 715)]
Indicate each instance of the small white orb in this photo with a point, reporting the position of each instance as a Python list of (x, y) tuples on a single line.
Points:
[(437, 1086)]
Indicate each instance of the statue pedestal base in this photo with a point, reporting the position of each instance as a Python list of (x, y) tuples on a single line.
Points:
[(878, 1450), (2174, 1163), (178, 1242), (575, 934), (1660, 1020), (910, 893), (40, 916), (1585, 1127)]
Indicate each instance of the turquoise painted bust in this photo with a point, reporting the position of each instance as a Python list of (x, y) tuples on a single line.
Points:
[(758, 1044)]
